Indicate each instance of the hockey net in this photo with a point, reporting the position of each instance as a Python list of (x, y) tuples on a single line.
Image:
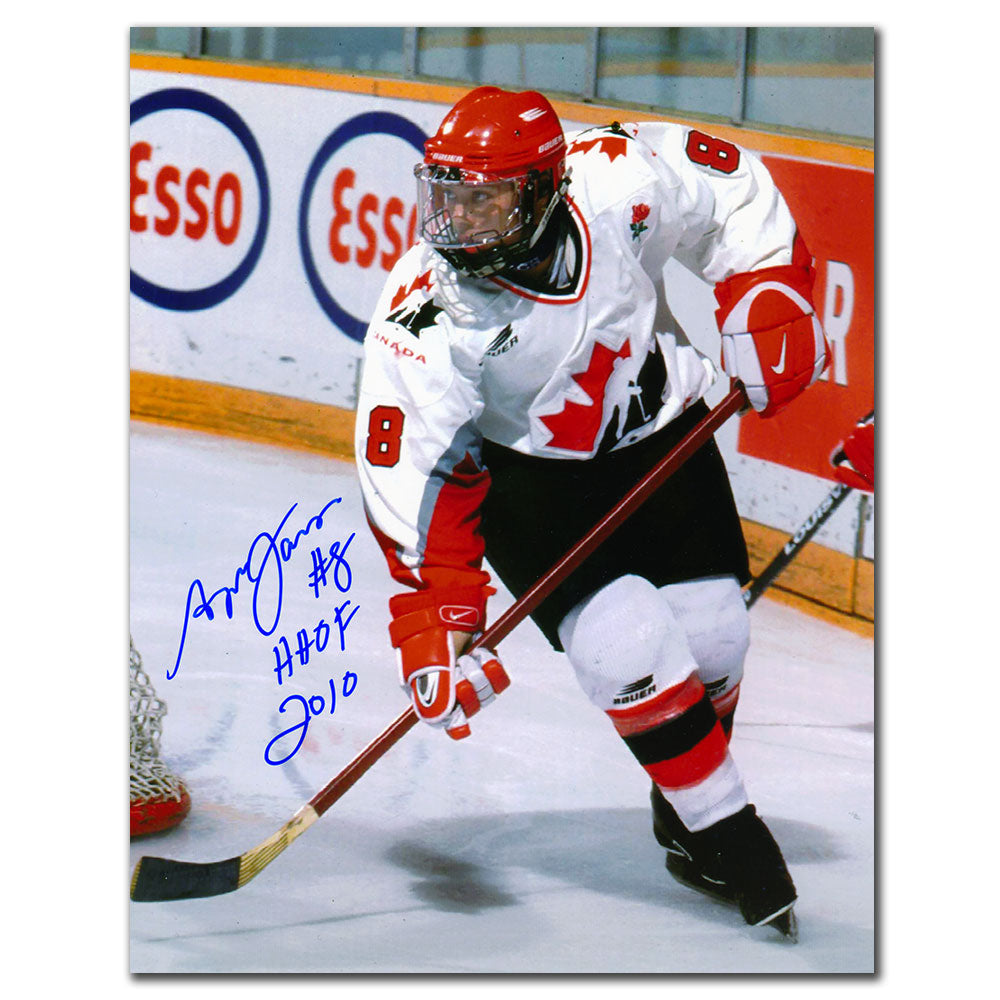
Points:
[(158, 799)]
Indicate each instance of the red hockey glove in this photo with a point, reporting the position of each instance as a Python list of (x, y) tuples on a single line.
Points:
[(771, 339), (854, 460), (446, 690)]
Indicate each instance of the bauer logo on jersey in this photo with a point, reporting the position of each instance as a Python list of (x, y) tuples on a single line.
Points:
[(358, 215), (502, 342), (198, 199)]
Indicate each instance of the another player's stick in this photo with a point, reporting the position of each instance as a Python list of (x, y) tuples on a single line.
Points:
[(159, 879), (795, 544)]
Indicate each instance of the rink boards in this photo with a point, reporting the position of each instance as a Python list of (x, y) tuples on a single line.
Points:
[(267, 205)]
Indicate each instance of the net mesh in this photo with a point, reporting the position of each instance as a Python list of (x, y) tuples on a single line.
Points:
[(157, 797)]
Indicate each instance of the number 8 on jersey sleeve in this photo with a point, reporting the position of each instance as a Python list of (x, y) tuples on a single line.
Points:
[(385, 432)]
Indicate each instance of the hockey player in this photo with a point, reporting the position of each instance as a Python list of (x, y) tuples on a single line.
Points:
[(522, 371)]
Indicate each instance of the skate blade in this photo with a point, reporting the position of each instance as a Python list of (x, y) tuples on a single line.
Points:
[(783, 921)]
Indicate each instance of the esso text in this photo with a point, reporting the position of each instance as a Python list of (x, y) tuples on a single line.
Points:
[(168, 201), (365, 229)]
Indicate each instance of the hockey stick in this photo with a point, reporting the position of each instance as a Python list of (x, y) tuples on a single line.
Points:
[(160, 879), (794, 545)]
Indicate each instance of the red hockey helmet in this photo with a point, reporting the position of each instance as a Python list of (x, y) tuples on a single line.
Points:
[(492, 175)]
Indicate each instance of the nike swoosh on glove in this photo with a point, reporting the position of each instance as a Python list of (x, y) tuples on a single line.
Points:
[(772, 340), (445, 690)]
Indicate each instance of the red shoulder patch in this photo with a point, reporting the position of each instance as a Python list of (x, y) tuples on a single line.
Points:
[(612, 145), (423, 281)]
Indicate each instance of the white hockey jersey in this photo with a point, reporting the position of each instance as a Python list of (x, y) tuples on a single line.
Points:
[(450, 360)]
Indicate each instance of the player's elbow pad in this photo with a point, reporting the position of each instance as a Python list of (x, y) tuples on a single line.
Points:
[(772, 340)]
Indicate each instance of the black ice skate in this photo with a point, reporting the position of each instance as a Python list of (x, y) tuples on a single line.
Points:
[(671, 833), (736, 861)]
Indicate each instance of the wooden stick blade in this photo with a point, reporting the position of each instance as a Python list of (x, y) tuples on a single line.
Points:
[(157, 880)]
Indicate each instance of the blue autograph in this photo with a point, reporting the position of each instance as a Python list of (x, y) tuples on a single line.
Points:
[(310, 708), (264, 561)]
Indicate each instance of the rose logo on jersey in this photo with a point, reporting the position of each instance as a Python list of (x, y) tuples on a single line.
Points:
[(357, 214), (638, 224), (198, 199)]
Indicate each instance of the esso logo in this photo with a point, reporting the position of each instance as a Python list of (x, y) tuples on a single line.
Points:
[(198, 199), (358, 214)]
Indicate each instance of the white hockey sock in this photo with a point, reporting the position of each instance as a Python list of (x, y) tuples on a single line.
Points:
[(715, 797)]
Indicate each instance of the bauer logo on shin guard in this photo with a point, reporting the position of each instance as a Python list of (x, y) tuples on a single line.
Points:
[(635, 691)]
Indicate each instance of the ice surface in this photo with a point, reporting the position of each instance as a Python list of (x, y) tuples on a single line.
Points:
[(526, 848)]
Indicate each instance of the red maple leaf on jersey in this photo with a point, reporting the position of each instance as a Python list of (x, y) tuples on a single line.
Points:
[(613, 145), (423, 281), (576, 425)]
